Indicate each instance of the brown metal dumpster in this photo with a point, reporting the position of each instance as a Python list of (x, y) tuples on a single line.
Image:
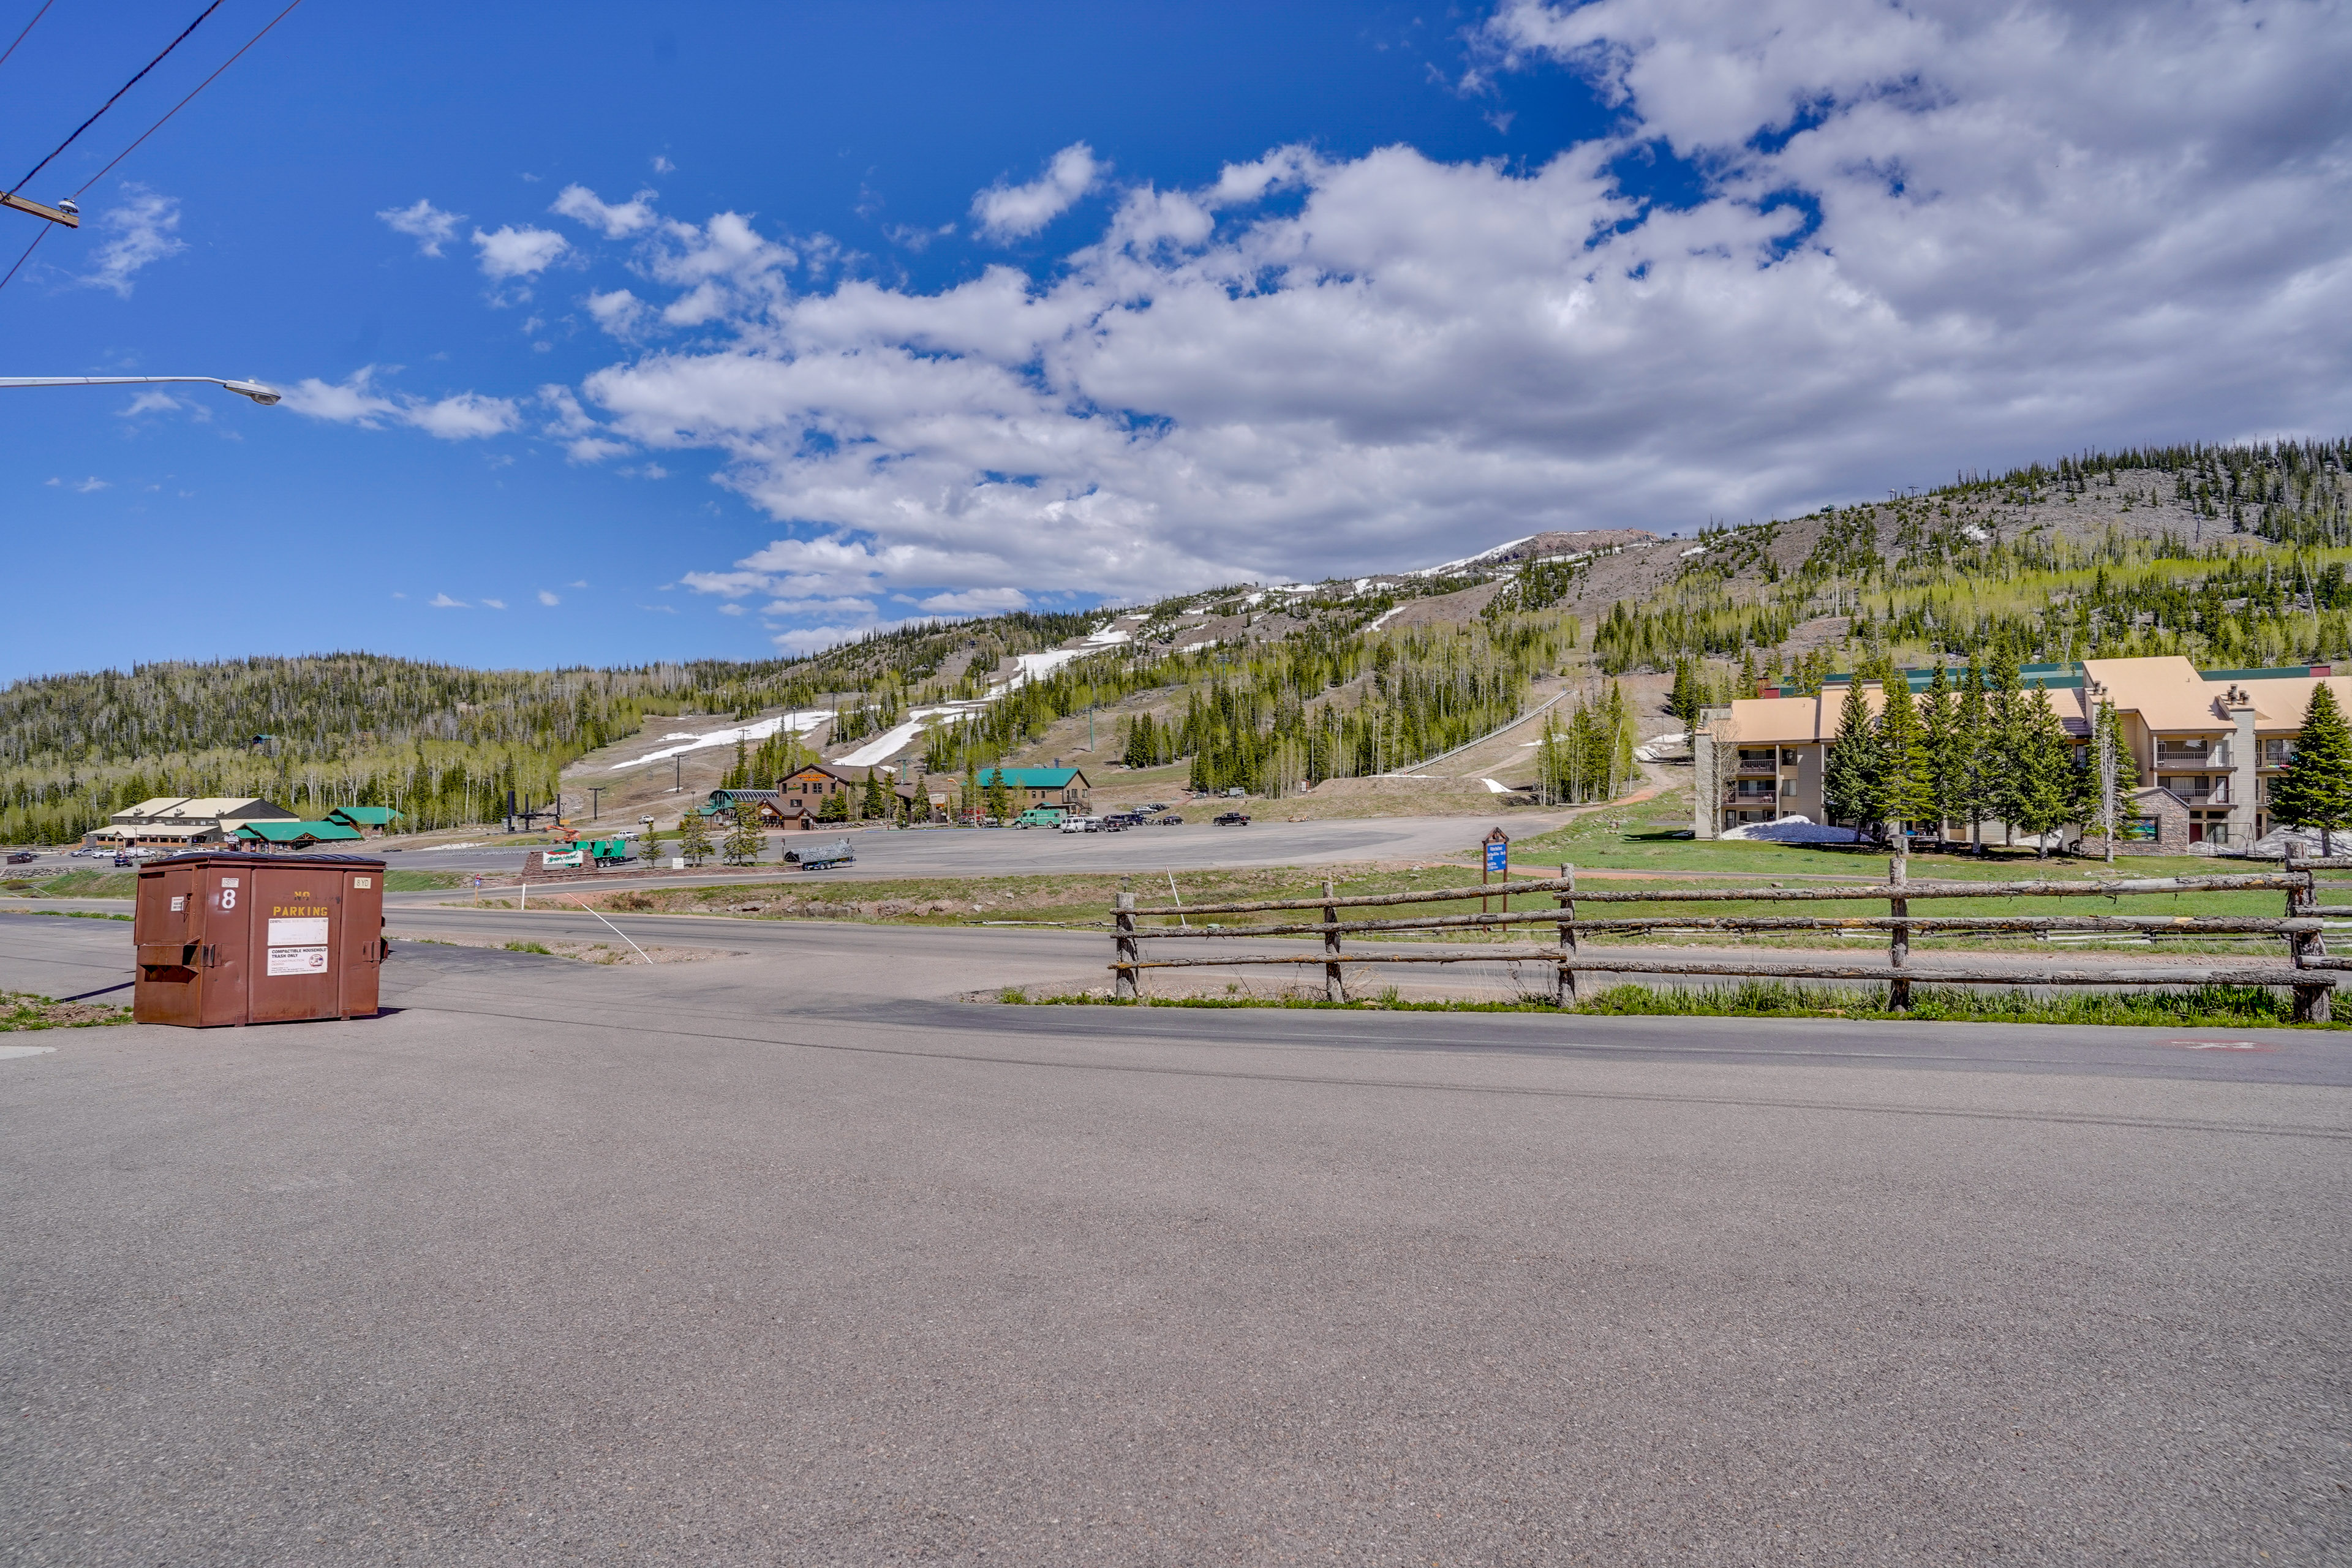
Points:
[(257, 939)]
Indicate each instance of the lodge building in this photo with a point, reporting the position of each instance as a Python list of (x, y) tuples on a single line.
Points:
[(2207, 744)]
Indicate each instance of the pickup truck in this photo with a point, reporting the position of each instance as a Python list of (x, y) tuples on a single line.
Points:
[(1232, 819), (21, 857)]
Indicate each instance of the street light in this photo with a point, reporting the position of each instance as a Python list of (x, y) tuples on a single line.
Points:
[(265, 395)]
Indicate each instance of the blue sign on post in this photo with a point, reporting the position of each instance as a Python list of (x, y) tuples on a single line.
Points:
[(1498, 856)]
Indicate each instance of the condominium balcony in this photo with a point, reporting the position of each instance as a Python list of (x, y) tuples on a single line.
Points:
[(2170, 756)]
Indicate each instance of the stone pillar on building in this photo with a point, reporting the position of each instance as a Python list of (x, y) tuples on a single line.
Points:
[(1707, 772), (2245, 769)]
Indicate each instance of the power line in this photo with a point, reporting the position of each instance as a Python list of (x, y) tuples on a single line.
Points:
[(184, 102), (27, 256), (119, 91), (29, 27), (151, 130)]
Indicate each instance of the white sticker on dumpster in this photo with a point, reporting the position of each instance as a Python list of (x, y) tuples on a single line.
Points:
[(298, 961), (298, 932)]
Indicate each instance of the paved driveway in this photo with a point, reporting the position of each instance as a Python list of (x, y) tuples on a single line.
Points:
[(784, 1258)]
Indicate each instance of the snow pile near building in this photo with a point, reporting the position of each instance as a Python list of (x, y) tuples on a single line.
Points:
[(1794, 830), (1659, 747), (2303, 841)]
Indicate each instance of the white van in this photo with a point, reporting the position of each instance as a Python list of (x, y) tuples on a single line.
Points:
[(1082, 825)]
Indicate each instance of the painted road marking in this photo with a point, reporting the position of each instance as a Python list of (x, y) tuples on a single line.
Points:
[(8, 1051), (2220, 1045)]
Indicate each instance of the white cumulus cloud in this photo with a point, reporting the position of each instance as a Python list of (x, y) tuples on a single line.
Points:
[(619, 312), (355, 400), (1011, 212), (546, 598), (977, 601), (1930, 236), (138, 232), (616, 220), (427, 225), (511, 252)]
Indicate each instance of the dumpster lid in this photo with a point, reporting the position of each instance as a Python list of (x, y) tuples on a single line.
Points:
[(251, 857)]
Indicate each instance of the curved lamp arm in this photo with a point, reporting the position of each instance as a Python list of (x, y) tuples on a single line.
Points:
[(265, 395)]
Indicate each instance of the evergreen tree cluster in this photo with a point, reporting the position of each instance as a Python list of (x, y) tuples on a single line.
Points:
[(1983, 748)]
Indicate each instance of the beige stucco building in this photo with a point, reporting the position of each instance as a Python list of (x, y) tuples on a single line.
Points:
[(183, 822), (2212, 740)]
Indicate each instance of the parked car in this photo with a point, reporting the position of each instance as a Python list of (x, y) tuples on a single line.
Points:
[(1171, 820), (1155, 806), (1233, 819), (21, 857), (1119, 819), (1081, 824), (1237, 792)]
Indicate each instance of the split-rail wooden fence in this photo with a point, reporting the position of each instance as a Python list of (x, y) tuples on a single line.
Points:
[(2306, 971)]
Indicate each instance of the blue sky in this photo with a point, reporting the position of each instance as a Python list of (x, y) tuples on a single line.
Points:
[(753, 326)]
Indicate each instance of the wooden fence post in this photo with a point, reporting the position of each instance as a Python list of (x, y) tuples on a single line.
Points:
[(1334, 988), (1564, 988), (1123, 914), (1898, 942), (2312, 1002)]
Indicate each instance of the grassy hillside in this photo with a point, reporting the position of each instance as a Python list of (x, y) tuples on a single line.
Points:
[(2232, 555)]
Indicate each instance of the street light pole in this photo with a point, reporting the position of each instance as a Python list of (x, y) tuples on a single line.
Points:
[(265, 395)]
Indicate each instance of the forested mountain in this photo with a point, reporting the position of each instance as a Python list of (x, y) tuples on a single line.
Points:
[(2232, 555)]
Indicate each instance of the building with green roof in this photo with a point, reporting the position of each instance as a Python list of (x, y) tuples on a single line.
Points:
[(296, 834)]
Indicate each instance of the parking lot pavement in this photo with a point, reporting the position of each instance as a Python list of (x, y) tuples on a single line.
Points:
[(777, 1260), (1005, 851)]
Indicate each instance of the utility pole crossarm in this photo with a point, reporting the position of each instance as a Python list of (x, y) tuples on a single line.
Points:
[(54, 215), (57, 214)]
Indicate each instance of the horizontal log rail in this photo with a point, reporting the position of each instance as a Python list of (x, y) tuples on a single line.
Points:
[(2260, 881), (2173, 925), (2140, 975), (2311, 973)]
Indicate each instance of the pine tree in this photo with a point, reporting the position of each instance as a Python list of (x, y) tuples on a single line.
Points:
[(1939, 723), (693, 839), (744, 842), (1905, 770), (877, 801), (998, 796), (2001, 763), (1854, 785), (1972, 769), (1688, 697), (2042, 793), (2315, 791)]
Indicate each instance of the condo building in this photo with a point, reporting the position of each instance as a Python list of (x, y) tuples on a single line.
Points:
[(2207, 744)]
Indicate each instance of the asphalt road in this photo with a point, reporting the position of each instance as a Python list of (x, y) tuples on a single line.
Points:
[(787, 1259), (961, 851)]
